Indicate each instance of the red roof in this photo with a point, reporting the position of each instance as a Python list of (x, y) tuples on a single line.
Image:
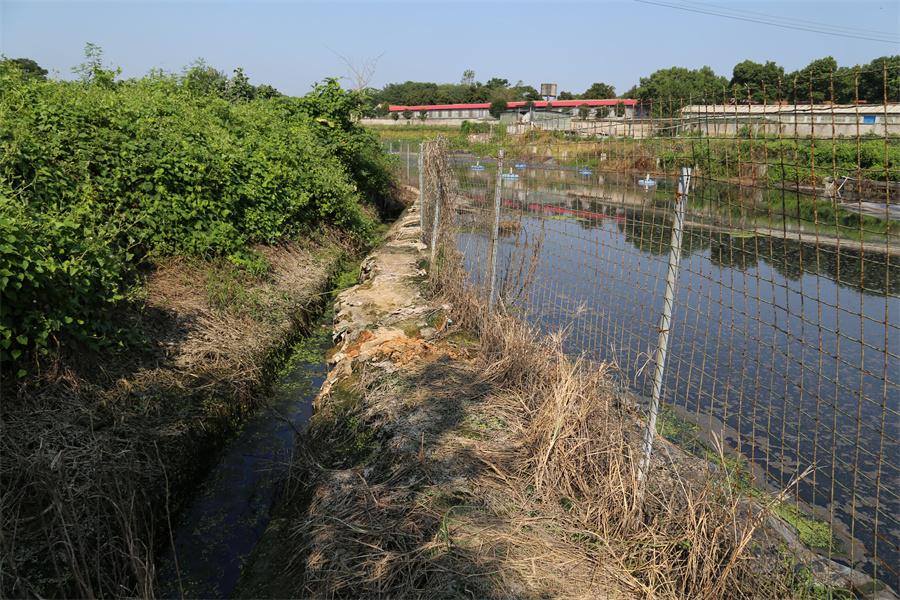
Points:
[(516, 104)]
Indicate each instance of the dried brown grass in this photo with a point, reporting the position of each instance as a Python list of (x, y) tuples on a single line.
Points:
[(577, 441), (93, 460)]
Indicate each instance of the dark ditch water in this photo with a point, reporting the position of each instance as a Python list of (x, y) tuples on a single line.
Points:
[(787, 346), (217, 531)]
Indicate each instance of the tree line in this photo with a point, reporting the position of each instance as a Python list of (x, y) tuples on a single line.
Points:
[(822, 80)]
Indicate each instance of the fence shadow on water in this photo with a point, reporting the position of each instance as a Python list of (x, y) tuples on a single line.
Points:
[(785, 336)]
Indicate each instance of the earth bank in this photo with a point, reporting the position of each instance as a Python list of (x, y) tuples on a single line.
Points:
[(453, 454)]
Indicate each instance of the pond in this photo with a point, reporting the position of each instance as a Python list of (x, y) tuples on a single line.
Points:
[(786, 331)]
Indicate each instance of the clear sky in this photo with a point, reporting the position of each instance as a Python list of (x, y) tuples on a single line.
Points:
[(293, 44)]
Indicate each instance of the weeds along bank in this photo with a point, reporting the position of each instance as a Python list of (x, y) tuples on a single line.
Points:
[(457, 453), (160, 243)]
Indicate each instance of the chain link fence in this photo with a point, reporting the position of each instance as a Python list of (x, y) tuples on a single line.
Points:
[(784, 331)]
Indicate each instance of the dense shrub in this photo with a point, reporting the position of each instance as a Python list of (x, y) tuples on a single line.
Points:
[(97, 178)]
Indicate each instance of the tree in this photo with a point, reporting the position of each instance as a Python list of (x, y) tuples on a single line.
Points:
[(602, 112), (468, 78), (525, 92), (238, 88), (395, 116), (872, 83), (423, 114), (566, 96), (666, 90), (763, 81), (407, 114), (498, 106), (28, 67), (92, 69), (584, 111), (266, 91), (361, 70), (497, 83), (202, 79), (599, 91), (812, 83)]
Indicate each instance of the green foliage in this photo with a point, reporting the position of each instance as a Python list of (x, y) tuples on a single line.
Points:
[(879, 77), (468, 127), (599, 91), (230, 288), (813, 533), (92, 70), (666, 89), (99, 175), (763, 82), (813, 82), (26, 66), (415, 93), (498, 105), (59, 280)]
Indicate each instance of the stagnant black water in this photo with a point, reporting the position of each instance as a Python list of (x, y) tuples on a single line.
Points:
[(787, 345), (217, 531)]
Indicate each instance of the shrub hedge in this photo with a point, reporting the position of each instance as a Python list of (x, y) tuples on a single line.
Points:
[(97, 177)]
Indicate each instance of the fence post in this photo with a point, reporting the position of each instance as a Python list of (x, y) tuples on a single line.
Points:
[(421, 190), (407, 162), (665, 322), (438, 193), (495, 233)]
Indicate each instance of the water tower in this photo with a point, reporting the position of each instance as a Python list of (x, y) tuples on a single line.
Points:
[(548, 91)]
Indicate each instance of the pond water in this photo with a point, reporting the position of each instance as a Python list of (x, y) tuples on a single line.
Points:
[(785, 337), (225, 519)]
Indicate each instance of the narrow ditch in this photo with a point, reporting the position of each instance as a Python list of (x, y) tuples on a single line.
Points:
[(230, 510)]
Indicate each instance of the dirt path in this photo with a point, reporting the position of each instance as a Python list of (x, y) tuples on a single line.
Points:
[(407, 500)]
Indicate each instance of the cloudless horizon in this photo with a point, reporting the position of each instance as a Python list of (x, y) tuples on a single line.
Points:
[(292, 45)]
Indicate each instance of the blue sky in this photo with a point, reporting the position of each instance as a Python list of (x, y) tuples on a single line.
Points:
[(293, 44)]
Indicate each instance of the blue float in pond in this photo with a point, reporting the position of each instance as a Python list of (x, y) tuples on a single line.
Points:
[(477, 166), (585, 171), (521, 165), (646, 181), (509, 175)]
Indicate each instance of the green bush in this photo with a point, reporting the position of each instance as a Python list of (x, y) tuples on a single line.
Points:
[(97, 178), (59, 281)]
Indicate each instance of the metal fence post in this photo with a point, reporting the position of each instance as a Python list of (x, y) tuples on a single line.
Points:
[(421, 163), (495, 233), (407, 162), (665, 321)]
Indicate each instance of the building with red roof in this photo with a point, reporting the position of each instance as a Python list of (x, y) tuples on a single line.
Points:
[(613, 107)]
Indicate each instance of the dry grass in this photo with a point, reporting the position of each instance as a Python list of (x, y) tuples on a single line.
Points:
[(95, 455), (576, 449)]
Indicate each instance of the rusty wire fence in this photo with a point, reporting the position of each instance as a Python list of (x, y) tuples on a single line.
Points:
[(784, 337)]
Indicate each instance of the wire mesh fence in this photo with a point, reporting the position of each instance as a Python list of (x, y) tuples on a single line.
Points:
[(784, 334)]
